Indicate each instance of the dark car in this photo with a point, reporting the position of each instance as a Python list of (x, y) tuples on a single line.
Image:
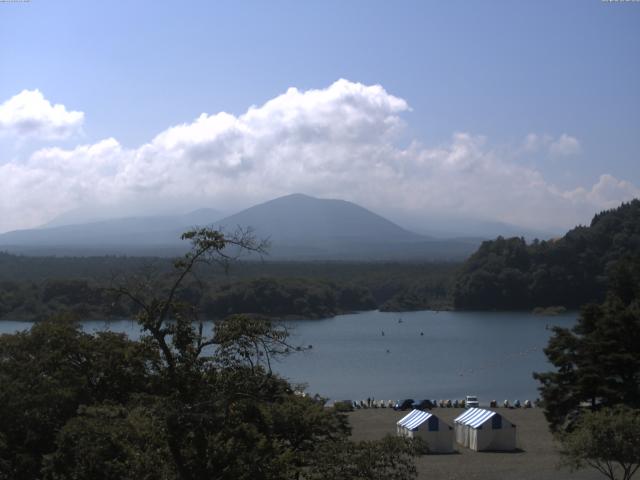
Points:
[(405, 404), (425, 404)]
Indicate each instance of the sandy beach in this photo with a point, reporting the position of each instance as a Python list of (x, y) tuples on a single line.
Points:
[(537, 456)]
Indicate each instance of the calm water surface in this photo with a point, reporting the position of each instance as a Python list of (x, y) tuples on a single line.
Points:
[(488, 354)]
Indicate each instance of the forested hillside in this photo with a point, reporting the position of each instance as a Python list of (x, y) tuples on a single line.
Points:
[(570, 271)]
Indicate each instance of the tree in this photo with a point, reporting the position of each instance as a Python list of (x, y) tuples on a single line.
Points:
[(607, 440), (388, 459), (109, 441), (597, 361), (165, 316), (47, 373), (569, 271), (181, 403), (225, 414)]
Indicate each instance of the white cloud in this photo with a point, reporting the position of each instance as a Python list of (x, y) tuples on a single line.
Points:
[(54, 180), (533, 142), (606, 193), (565, 145), (29, 115), (338, 142)]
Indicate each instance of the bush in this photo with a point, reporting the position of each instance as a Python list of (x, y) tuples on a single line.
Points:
[(343, 406)]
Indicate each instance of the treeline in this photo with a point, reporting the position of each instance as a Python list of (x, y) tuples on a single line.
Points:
[(570, 271), (33, 288), (287, 297), (30, 301), (268, 296)]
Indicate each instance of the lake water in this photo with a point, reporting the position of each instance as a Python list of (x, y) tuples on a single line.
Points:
[(489, 354)]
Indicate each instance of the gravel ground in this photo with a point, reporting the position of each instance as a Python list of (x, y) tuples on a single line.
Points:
[(536, 458)]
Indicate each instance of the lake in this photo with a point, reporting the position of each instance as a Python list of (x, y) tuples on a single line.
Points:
[(489, 354)]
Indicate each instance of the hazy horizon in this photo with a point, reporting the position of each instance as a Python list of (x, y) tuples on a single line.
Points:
[(443, 226)]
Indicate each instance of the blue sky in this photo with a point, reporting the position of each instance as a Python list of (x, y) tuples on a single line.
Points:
[(515, 77)]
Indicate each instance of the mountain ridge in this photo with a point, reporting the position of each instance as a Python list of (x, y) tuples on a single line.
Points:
[(300, 227), (333, 219), (158, 229)]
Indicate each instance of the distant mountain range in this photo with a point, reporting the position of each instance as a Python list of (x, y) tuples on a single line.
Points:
[(454, 227), (298, 226), (130, 235)]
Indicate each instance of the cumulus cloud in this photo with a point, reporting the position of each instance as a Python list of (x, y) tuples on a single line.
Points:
[(533, 142), (29, 115), (606, 193), (338, 142), (54, 180), (565, 145)]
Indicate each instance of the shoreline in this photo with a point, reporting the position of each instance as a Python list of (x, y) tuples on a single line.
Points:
[(296, 318)]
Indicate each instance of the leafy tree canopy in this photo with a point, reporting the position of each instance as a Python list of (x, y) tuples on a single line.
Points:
[(597, 362), (570, 271), (607, 440)]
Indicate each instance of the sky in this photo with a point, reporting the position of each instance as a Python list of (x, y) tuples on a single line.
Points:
[(520, 112)]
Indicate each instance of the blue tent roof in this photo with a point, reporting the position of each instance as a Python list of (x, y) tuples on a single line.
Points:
[(414, 419), (475, 417)]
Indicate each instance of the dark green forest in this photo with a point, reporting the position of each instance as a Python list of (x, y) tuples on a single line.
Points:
[(34, 288), (570, 271)]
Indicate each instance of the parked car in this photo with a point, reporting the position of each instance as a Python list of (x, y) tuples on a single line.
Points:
[(471, 402), (405, 404), (425, 404)]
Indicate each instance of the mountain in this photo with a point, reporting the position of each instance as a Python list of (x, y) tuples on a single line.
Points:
[(303, 227), (508, 273), (86, 215), (298, 226), (466, 227), (133, 235), (301, 219)]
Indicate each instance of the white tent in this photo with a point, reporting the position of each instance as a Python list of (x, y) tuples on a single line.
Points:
[(480, 429), (436, 433)]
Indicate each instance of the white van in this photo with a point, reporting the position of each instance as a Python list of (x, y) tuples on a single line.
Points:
[(471, 402)]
